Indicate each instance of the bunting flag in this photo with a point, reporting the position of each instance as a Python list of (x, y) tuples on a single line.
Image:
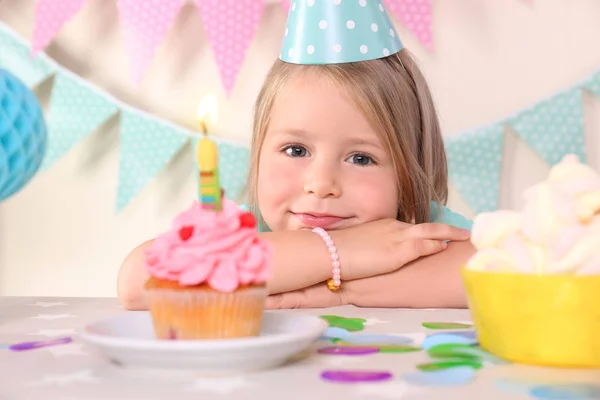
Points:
[(75, 111), (15, 58), (234, 162), (593, 84), (474, 165), (554, 127), (146, 147), (50, 16), (416, 16), (145, 23), (230, 26)]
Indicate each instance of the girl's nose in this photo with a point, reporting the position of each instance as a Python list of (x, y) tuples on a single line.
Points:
[(322, 181)]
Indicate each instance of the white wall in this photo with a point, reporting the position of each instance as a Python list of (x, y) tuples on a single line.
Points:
[(60, 235)]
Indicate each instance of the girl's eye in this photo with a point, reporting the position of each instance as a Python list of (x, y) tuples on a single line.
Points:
[(296, 151), (361, 159)]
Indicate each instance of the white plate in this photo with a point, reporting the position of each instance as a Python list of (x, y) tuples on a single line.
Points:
[(129, 340)]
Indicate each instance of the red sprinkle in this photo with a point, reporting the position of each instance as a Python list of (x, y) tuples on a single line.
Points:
[(247, 220), (186, 232)]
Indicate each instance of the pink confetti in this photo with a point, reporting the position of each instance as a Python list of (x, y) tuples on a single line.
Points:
[(50, 16), (145, 23), (416, 16), (230, 26)]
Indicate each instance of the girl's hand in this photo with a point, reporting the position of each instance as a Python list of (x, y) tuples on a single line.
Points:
[(316, 296), (430, 282), (383, 246)]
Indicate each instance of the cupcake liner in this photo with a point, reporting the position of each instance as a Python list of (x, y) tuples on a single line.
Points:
[(187, 314), (551, 320)]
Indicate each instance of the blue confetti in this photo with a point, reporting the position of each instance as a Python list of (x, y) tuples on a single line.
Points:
[(448, 377), (572, 391), (515, 386), (335, 333)]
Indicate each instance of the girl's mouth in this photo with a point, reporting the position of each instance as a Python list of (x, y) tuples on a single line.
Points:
[(314, 220)]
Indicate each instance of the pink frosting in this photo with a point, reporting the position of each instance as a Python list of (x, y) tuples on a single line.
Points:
[(221, 249)]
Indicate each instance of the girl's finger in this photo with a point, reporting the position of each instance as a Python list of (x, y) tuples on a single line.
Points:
[(435, 231), (410, 250)]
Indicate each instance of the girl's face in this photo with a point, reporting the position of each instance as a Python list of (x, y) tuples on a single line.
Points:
[(321, 163)]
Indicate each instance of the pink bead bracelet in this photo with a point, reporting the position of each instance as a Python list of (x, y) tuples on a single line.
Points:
[(335, 282)]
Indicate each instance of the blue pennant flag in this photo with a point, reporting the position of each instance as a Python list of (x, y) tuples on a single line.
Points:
[(474, 165), (233, 169), (593, 84), (15, 57), (146, 147), (554, 127), (76, 110)]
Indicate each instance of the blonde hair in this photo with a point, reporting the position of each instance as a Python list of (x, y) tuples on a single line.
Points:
[(394, 97)]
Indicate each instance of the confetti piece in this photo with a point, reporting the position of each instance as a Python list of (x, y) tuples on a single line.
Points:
[(571, 391), (451, 350), (355, 376), (398, 349), (447, 377), (39, 344), (376, 339), (446, 325), (348, 350), (467, 338), (335, 333), (437, 366), (383, 348), (350, 324)]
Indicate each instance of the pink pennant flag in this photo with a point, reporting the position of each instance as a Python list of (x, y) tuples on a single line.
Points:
[(145, 23), (416, 16), (50, 16), (230, 26), (286, 5)]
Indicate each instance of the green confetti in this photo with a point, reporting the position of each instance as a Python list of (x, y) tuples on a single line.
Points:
[(446, 325), (398, 349), (453, 350), (350, 324), (437, 366)]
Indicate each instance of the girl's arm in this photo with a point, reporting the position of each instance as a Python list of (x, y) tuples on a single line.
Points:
[(301, 258), (429, 282)]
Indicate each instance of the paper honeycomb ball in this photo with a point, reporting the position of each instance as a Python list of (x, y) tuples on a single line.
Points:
[(23, 135)]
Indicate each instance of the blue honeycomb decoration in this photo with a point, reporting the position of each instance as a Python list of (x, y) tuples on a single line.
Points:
[(23, 137)]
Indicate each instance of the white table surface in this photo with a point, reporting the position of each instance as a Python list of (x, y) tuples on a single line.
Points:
[(78, 371)]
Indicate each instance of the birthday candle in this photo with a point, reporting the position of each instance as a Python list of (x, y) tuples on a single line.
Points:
[(207, 156), (208, 163)]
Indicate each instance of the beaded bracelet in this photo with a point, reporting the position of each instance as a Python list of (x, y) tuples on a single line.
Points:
[(334, 282)]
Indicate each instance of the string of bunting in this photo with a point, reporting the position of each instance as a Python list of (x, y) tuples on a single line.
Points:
[(230, 26), (77, 108), (553, 127)]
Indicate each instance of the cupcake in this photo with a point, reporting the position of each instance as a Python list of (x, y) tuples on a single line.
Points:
[(208, 275), (533, 283)]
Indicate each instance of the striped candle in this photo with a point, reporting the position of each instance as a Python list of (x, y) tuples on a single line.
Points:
[(207, 156)]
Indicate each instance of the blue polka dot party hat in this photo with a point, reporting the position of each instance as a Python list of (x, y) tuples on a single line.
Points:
[(338, 31)]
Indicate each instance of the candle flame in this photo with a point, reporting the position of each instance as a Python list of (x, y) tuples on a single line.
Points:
[(208, 112)]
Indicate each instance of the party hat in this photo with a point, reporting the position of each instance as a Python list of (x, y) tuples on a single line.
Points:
[(338, 31)]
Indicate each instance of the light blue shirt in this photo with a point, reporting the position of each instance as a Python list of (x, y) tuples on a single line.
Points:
[(441, 214)]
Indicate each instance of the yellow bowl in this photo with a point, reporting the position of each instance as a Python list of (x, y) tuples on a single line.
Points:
[(551, 320)]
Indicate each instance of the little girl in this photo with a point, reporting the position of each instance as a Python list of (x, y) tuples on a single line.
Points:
[(347, 175)]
